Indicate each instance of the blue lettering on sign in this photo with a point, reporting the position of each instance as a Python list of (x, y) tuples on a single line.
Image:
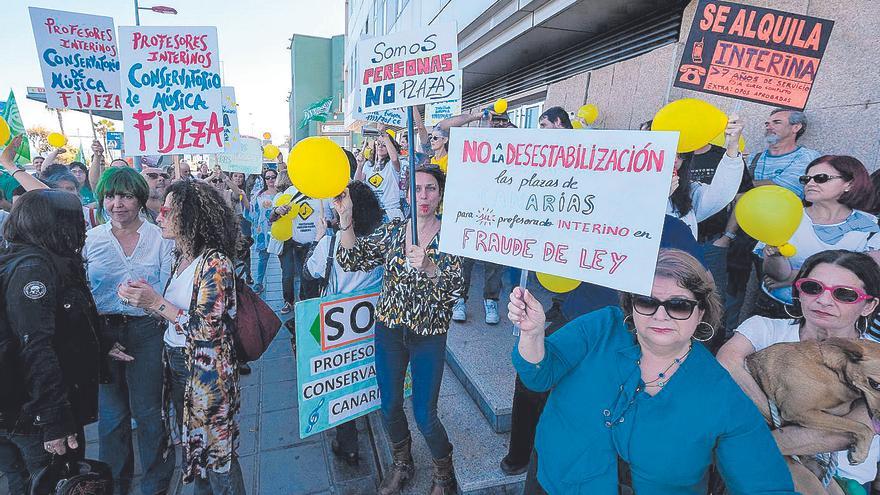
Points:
[(379, 95), (78, 61)]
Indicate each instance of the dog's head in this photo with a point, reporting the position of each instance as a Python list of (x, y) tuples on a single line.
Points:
[(859, 363)]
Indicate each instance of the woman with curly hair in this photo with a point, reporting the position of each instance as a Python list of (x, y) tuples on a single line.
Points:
[(199, 306)]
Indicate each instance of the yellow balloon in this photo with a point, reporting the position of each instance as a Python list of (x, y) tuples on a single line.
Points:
[(500, 106), (770, 214), (282, 229), (4, 131), (696, 121), (368, 152), (318, 167), (787, 250), (719, 140), (589, 113), (391, 133), (282, 199), (270, 152), (56, 140), (557, 284), (577, 124), (266, 135)]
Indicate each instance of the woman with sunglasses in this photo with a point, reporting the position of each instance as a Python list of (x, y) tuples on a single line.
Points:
[(837, 191), (635, 396), (382, 172), (835, 295), (261, 210)]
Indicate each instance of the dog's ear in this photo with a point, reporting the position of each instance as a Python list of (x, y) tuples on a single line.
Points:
[(836, 350)]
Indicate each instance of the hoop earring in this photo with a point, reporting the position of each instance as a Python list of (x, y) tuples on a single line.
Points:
[(709, 337), (862, 331), (630, 323), (785, 308)]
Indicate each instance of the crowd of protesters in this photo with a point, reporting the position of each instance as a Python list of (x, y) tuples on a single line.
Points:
[(119, 293)]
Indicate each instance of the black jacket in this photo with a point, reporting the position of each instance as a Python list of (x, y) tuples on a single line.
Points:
[(50, 356)]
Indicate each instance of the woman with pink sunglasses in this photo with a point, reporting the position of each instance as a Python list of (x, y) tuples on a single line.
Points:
[(835, 294)]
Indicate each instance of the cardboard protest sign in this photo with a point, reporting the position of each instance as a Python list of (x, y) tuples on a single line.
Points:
[(753, 54), (247, 160), (335, 360), (78, 58), (437, 112), (409, 68), (587, 205), (171, 90), (231, 133)]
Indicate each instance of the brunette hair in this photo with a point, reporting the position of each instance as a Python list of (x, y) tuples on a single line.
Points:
[(860, 264), (50, 219), (203, 218), (861, 194)]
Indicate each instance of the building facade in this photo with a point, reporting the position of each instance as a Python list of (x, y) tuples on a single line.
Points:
[(316, 70), (620, 55)]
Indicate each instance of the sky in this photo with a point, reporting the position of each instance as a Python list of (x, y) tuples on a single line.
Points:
[(253, 39)]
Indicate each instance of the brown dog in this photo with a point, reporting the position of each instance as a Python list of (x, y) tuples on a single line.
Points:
[(815, 383)]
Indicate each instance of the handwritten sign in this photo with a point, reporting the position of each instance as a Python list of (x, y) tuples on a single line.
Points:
[(753, 54), (355, 118), (587, 205), (247, 160), (409, 68), (172, 91), (437, 112), (335, 360), (231, 132), (78, 58)]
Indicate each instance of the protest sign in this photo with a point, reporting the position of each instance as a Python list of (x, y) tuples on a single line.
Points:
[(231, 133), (335, 360), (753, 54), (78, 58), (247, 160), (114, 140), (355, 118), (587, 205), (409, 68), (171, 90), (437, 112)]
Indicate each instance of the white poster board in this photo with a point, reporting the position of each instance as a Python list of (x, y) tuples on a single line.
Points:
[(437, 112), (355, 118), (78, 59), (171, 100), (247, 160), (409, 68), (231, 132), (586, 205)]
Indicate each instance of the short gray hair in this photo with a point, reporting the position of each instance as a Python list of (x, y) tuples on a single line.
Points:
[(794, 117)]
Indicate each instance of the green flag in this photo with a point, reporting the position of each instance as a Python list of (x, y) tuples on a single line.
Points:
[(13, 117), (316, 111), (80, 155)]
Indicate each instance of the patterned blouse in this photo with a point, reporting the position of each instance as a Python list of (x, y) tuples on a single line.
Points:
[(211, 395), (408, 297)]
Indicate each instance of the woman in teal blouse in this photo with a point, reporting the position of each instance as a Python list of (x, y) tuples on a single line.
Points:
[(629, 383)]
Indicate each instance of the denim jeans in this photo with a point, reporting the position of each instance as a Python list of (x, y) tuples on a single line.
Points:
[(491, 278), (135, 392), (291, 259), (21, 455), (716, 262), (230, 483), (262, 263), (395, 348)]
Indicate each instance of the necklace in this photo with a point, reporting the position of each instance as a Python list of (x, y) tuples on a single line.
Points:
[(661, 377)]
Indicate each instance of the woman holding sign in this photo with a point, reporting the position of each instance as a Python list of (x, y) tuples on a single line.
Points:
[(419, 287), (634, 395), (382, 173)]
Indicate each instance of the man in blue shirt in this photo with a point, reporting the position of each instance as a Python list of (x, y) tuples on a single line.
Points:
[(784, 161)]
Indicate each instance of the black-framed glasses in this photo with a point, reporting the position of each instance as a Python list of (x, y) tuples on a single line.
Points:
[(271, 177), (216, 181), (435, 138), (819, 178), (677, 308)]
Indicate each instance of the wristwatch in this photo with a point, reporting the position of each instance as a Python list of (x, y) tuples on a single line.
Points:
[(730, 235)]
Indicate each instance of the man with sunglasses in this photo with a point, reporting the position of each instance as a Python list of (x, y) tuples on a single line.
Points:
[(158, 180)]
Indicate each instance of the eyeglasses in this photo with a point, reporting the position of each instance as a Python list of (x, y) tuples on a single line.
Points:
[(154, 176), (841, 293), (677, 308), (819, 178), (216, 181), (436, 138), (271, 177), (164, 210)]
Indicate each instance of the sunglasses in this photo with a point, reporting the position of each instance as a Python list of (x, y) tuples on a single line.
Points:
[(271, 177), (677, 308), (841, 293), (154, 176), (216, 181), (819, 178), (436, 138)]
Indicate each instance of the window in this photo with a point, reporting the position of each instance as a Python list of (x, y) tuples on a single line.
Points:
[(526, 116), (379, 17), (391, 13)]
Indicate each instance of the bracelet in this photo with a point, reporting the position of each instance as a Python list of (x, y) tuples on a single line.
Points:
[(730, 235), (17, 171), (346, 228)]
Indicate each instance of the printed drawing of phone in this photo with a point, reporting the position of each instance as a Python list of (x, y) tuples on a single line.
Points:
[(691, 74), (697, 52)]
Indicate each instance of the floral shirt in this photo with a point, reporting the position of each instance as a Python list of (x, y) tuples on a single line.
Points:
[(409, 298)]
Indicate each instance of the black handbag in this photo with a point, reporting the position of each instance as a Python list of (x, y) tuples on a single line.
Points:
[(64, 476)]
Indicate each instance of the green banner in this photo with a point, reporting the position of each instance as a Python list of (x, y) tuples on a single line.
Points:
[(13, 117), (317, 111)]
